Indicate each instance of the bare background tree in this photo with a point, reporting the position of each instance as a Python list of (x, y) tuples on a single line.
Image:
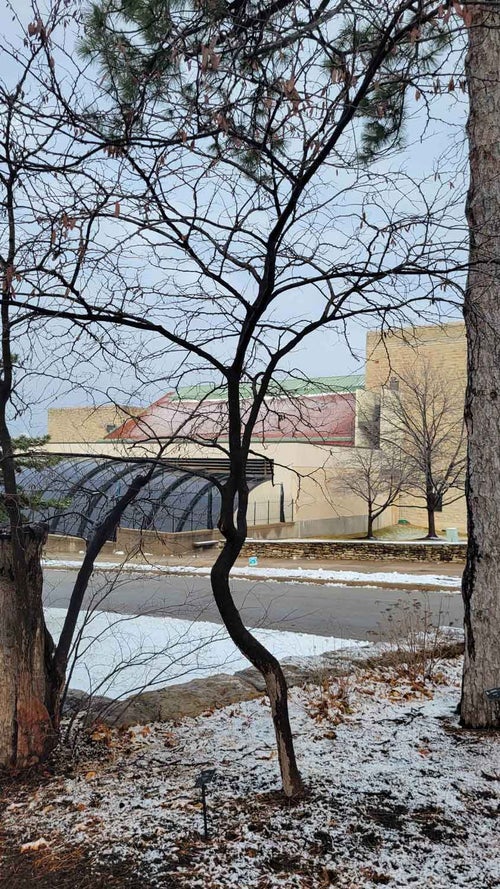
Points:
[(423, 421), (377, 476)]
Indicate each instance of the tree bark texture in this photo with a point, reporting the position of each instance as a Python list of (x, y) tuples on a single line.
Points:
[(431, 523), (481, 582), (26, 728)]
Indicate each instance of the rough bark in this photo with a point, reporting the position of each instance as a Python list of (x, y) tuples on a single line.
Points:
[(278, 697), (26, 727), (481, 582), (431, 523)]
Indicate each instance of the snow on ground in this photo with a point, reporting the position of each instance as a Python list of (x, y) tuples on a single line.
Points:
[(399, 795), (119, 654), (394, 578)]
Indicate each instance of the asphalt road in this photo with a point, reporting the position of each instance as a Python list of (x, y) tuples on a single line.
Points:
[(343, 611)]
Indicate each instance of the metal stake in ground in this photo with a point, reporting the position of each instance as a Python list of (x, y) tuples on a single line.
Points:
[(202, 780)]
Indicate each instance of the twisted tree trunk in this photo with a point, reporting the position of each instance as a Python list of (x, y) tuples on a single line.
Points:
[(481, 582), (27, 728), (235, 491), (262, 660)]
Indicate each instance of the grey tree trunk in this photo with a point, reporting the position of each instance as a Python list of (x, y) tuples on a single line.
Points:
[(481, 583), (27, 731), (431, 523)]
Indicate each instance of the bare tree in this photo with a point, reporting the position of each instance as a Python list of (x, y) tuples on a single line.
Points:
[(481, 585), (423, 420), (238, 226), (226, 220), (377, 476)]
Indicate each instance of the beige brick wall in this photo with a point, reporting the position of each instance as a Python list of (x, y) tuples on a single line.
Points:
[(453, 515), (83, 424), (442, 347)]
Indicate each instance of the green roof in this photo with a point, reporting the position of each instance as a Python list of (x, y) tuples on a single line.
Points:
[(314, 386)]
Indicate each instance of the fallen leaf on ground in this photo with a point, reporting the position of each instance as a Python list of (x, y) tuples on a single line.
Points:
[(35, 845)]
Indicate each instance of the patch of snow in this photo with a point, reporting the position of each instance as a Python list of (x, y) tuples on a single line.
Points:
[(119, 654), (399, 795), (368, 578)]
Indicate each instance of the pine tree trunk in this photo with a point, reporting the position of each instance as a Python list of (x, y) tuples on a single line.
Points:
[(481, 582), (27, 730)]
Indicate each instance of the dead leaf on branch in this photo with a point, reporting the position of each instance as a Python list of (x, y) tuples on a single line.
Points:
[(37, 28)]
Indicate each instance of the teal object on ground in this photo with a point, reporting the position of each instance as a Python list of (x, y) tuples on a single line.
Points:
[(252, 561)]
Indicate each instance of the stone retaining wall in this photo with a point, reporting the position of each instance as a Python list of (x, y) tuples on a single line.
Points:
[(130, 542), (356, 550), (195, 697)]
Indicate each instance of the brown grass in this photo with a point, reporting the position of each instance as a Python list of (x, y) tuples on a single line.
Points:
[(59, 866)]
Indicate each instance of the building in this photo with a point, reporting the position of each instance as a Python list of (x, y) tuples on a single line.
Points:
[(308, 436), (84, 424)]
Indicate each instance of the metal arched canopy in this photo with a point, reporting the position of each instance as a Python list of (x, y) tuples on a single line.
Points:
[(75, 493)]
